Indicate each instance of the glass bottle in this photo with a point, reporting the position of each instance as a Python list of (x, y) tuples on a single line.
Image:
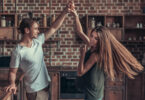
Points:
[(93, 23), (137, 25), (20, 19), (44, 21), (3, 21)]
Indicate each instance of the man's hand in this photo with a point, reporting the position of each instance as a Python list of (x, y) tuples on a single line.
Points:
[(71, 7), (11, 88)]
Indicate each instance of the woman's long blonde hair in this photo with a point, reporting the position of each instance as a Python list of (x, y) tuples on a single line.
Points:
[(114, 57)]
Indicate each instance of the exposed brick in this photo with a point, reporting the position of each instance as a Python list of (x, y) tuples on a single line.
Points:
[(26, 1), (64, 59), (39, 11), (37, 1), (58, 53), (31, 4), (20, 4), (67, 33), (69, 53), (8, 8), (20, 1), (65, 45), (31, 1), (67, 64), (9, 1), (55, 5), (41, 8), (103, 11), (75, 60), (8, 4), (125, 0), (54, 59), (42, 4), (20, 8)]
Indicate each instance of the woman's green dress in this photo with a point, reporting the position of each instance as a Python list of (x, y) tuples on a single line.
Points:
[(93, 81)]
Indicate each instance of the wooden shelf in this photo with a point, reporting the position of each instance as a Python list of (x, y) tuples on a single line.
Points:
[(134, 28), (133, 41), (121, 26), (11, 32), (111, 28), (6, 27)]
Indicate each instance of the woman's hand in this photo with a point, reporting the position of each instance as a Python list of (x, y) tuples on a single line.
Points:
[(71, 7), (11, 88)]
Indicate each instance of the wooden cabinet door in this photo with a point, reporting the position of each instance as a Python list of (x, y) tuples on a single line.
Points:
[(6, 33), (115, 90), (135, 88), (54, 85), (112, 94)]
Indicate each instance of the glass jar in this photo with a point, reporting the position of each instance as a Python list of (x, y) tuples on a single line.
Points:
[(93, 23), (9, 23), (3, 21), (20, 17), (44, 20)]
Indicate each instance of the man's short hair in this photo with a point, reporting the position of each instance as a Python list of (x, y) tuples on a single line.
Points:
[(26, 23)]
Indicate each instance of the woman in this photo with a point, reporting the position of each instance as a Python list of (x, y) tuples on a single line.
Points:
[(106, 56)]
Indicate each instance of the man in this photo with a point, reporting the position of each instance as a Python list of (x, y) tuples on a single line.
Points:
[(28, 56)]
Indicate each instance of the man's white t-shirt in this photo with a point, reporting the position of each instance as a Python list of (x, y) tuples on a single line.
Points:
[(31, 62)]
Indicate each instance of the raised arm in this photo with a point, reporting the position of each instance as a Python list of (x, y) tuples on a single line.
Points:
[(78, 25), (56, 25)]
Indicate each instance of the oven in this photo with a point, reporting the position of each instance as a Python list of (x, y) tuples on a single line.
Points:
[(4, 61), (68, 86)]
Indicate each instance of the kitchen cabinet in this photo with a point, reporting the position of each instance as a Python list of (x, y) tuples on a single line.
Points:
[(8, 26), (135, 89), (123, 27)]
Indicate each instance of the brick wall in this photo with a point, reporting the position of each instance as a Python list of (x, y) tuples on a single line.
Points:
[(66, 51)]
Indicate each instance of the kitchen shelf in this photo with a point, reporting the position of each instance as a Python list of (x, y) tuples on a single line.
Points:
[(121, 26)]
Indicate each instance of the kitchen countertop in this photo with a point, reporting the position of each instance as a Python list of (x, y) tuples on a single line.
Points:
[(5, 70), (4, 73)]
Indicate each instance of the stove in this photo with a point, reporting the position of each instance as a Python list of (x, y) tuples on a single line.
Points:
[(68, 86)]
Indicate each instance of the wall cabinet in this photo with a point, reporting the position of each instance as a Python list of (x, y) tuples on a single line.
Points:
[(123, 27), (115, 90), (134, 27), (135, 89), (114, 23), (8, 26)]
